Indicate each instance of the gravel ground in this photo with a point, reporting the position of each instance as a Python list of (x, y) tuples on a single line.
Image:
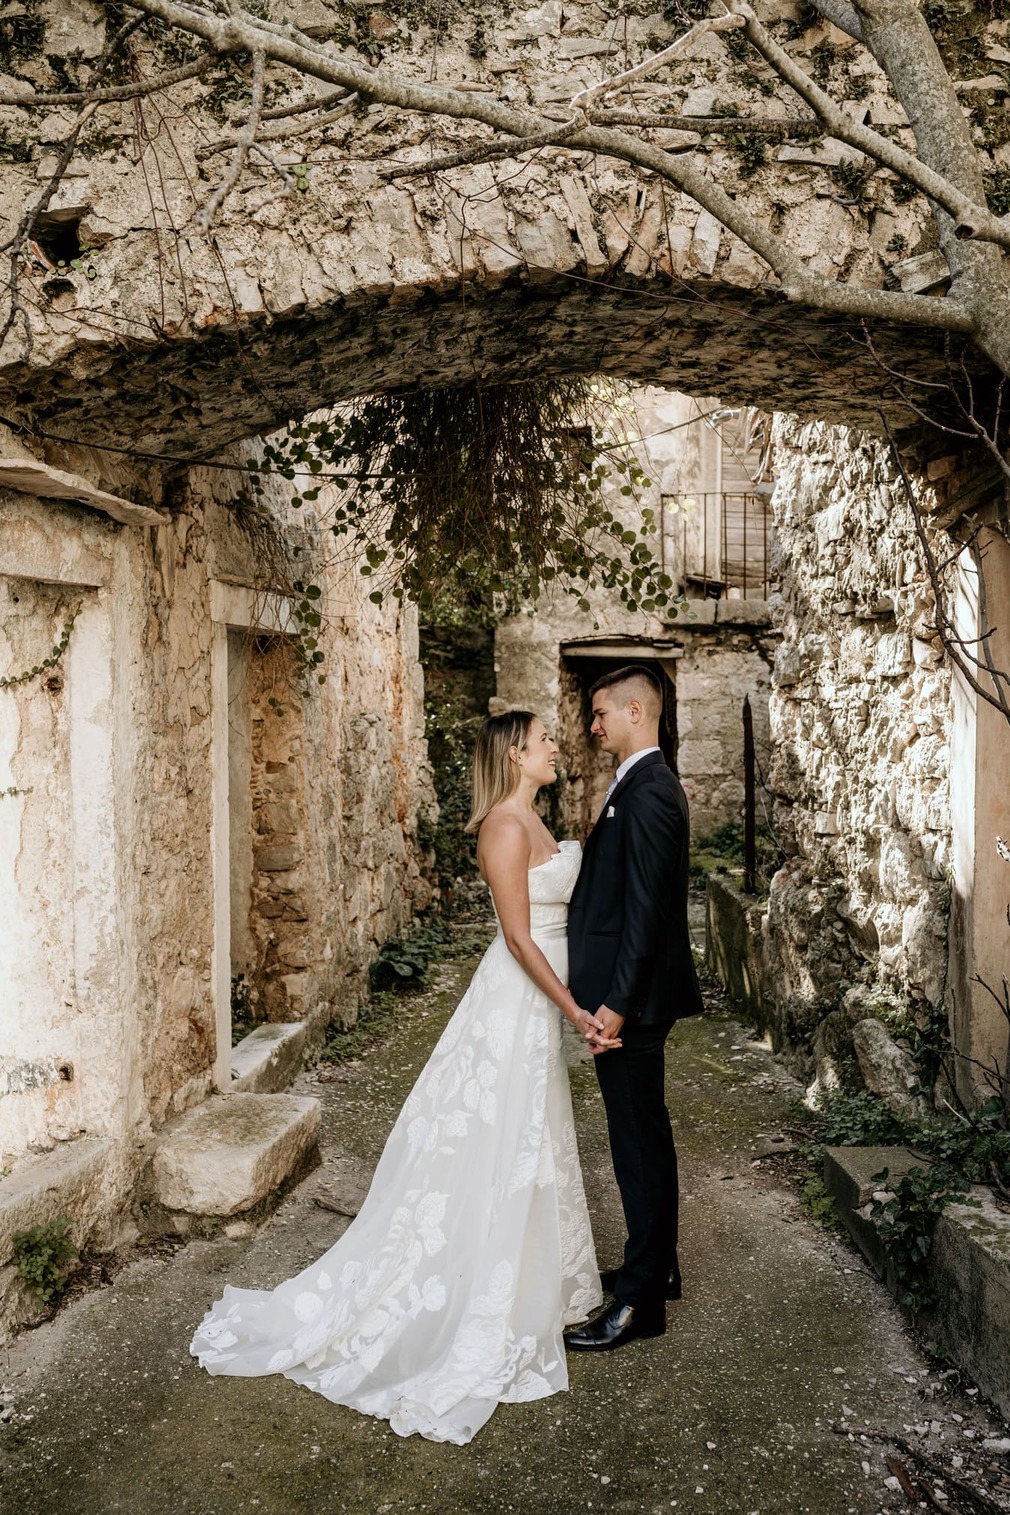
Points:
[(783, 1357)]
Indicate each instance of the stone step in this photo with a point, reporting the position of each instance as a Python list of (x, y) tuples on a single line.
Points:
[(968, 1265), (68, 1183), (267, 1060), (229, 1157)]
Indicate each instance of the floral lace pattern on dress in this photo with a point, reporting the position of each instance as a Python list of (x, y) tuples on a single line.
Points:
[(448, 1292)]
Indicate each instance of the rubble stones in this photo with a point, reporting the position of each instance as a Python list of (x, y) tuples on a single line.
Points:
[(888, 1070)]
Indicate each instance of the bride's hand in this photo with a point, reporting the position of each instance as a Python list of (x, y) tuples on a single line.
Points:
[(591, 1027)]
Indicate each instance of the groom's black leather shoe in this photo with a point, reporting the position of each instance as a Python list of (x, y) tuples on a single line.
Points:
[(608, 1278), (615, 1326)]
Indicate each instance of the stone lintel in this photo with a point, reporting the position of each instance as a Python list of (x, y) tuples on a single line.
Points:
[(35, 478), (609, 646), (268, 1058), (968, 1265), (246, 609), (229, 1154)]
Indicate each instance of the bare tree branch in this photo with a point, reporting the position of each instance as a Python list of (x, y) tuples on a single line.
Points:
[(587, 97), (946, 629), (765, 126), (241, 33), (297, 107), (246, 138), (487, 152), (284, 133), (118, 91), (971, 219)]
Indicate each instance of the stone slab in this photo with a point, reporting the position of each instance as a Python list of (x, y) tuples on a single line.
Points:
[(742, 613), (733, 947), (231, 1152), (42, 1189), (968, 1266), (48, 483), (267, 1060)]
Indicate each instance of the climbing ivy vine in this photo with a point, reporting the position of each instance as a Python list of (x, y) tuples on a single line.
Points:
[(29, 674)]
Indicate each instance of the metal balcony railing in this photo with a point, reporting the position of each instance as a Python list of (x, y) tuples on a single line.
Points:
[(717, 541)]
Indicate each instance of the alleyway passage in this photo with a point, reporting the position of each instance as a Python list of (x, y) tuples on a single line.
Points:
[(782, 1333)]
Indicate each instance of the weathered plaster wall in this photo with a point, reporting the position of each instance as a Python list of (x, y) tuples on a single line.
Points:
[(858, 916), (107, 907), (720, 666)]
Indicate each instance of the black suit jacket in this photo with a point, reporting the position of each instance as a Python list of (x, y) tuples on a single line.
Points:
[(628, 941)]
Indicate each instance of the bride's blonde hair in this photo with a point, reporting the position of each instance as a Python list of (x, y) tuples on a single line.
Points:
[(495, 776)]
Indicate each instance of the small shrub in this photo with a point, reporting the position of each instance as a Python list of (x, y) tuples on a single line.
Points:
[(817, 1202), (404, 962), (851, 181), (750, 153), (44, 1257), (997, 190), (903, 191), (857, 1120), (906, 1221), (822, 59)]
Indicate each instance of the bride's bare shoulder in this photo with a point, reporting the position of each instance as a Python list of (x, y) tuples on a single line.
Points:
[(503, 836)]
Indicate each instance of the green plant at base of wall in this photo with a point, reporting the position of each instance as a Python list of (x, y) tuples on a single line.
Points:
[(817, 1202), (906, 1219), (44, 1257), (403, 963)]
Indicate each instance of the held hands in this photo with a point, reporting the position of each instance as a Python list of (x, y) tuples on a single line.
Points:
[(592, 1029), (607, 1036)]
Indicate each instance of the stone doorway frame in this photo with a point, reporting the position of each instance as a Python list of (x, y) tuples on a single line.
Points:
[(233, 607), (625, 649)]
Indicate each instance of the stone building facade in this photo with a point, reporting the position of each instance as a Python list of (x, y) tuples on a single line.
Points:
[(183, 832), (715, 652)]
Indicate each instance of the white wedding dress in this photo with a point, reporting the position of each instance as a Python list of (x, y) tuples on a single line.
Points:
[(448, 1292)]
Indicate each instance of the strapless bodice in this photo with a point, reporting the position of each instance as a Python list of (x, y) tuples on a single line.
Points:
[(550, 885)]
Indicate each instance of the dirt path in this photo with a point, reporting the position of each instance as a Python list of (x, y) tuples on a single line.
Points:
[(781, 1333)]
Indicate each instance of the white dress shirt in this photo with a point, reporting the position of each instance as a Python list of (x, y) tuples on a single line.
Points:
[(626, 767)]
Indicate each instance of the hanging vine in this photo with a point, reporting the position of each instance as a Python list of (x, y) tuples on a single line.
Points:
[(488, 489)]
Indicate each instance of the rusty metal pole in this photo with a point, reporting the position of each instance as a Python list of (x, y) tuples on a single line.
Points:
[(749, 802)]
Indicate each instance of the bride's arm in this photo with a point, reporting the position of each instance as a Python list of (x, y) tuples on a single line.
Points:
[(505, 859)]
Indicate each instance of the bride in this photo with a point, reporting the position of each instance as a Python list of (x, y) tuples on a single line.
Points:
[(449, 1291)]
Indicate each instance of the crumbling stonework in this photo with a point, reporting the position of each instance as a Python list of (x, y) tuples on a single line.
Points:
[(355, 284), (858, 915), (122, 768)]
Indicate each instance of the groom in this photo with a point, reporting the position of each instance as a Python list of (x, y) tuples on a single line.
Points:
[(630, 962)]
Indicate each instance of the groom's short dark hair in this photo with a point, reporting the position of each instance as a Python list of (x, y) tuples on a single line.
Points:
[(632, 673)]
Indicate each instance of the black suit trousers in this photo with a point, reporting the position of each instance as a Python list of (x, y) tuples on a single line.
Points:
[(632, 1082)]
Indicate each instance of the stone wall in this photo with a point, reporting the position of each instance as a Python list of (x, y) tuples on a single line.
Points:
[(117, 907), (858, 916)]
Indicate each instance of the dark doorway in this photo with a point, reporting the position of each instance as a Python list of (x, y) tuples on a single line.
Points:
[(589, 770)]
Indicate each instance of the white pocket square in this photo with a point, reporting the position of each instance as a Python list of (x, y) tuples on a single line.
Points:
[(610, 812)]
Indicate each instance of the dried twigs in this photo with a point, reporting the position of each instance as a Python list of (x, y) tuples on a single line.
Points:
[(245, 140), (978, 1499), (955, 645)]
